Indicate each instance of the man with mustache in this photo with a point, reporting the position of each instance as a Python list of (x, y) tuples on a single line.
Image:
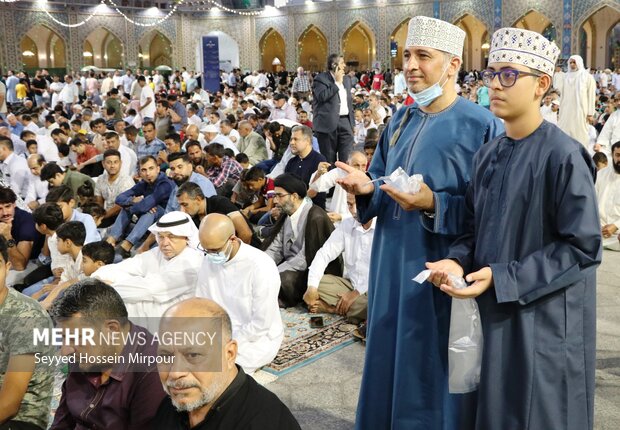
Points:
[(405, 383), (207, 390)]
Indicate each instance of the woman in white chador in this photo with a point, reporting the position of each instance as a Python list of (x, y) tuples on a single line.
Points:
[(578, 94), (152, 281)]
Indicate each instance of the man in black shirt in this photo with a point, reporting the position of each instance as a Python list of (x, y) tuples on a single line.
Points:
[(306, 160), (193, 202), (206, 394)]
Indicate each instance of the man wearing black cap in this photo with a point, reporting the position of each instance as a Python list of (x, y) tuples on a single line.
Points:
[(300, 232)]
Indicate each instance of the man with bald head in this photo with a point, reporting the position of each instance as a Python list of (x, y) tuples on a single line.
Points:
[(206, 389), (251, 143), (244, 281), (193, 134)]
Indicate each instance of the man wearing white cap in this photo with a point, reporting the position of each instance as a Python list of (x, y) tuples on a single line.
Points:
[(530, 252), (212, 135), (578, 96), (152, 281), (405, 376)]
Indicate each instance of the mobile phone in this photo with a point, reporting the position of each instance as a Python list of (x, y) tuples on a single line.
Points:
[(316, 322)]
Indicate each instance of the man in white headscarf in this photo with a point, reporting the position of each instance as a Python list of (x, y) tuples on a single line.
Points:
[(578, 93), (151, 282)]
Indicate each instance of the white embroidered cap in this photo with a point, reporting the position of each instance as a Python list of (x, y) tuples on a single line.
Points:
[(435, 33), (524, 47)]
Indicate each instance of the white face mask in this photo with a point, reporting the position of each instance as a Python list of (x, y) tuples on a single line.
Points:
[(430, 94), (220, 257)]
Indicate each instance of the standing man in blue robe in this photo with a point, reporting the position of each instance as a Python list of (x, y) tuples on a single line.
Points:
[(531, 249), (405, 380)]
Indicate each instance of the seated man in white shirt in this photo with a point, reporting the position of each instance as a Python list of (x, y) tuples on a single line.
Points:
[(14, 169), (608, 194), (245, 282), (152, 281), (345, 295), (38, 188)]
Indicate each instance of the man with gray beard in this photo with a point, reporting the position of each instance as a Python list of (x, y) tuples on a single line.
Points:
[(206, 389)]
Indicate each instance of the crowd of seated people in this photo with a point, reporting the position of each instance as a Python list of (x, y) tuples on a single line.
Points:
[(143, 201)]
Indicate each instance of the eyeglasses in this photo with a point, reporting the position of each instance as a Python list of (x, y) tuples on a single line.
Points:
[(280, 195), (212, 251), (507, 77)]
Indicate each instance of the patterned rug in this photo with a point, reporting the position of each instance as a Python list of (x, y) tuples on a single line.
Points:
[(303, 345)]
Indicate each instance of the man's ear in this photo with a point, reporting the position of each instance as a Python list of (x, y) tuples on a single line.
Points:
[(544, 83), (455, 66)]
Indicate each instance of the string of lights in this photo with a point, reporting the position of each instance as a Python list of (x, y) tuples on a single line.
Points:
[(235, 11), (140, 24), (88, 18)]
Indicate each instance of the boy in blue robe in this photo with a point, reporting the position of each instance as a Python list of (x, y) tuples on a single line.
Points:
[(532, 246), (405, 380)]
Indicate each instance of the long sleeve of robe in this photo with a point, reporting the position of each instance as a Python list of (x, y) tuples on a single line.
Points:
[(247, 287), (405, 381), (532, 217), (149, 283)]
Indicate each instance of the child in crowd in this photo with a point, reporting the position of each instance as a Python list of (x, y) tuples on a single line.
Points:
[(600, 159), (71, 236), (63, 197), (259, 190), (96, 255), (243, 160)]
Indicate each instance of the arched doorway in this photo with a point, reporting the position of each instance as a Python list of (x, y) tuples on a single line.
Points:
[(48, 48), (475, 31), (271, 46), (154, 50), (598, 39), (535, 21), (103, 49), (312, 48), (398, 38), (30, 53), (359, 46)]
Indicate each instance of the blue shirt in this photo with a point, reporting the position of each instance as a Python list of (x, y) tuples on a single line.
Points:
[(16, 129), (205, 185), (92, 234), (152, 148), (23, 230)]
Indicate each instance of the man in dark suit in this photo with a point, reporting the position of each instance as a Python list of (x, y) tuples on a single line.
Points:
[(332, 108)]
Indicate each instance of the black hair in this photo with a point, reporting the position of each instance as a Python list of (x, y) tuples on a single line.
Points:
[(57, 131), (99, 251), (31, 142), (178, 155), (599, 157), (7, 195), (97, 122), (5, 141), (615, 146), (254, 174), (216, 150), (229, 152), (242, 158), (192, 190), (86, 190), (61, 194), (93, 209), (174, 136), (164, 103), (91, 298), (50, 170), (49, 214), (64, 150), (146, 159), (74, 231), (193, 143), (111, 153)]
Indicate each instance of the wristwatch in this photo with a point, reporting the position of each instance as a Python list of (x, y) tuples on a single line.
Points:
[(11, 243)]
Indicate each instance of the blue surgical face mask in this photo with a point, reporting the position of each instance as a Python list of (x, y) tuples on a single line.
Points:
[(427, 96), (221, 257)]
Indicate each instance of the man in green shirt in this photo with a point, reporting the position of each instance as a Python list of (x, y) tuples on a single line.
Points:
[(56, 177), (25, 386), (113, 102)]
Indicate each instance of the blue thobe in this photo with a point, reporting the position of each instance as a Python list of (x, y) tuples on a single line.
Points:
[(532, 217), (405, 383)]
